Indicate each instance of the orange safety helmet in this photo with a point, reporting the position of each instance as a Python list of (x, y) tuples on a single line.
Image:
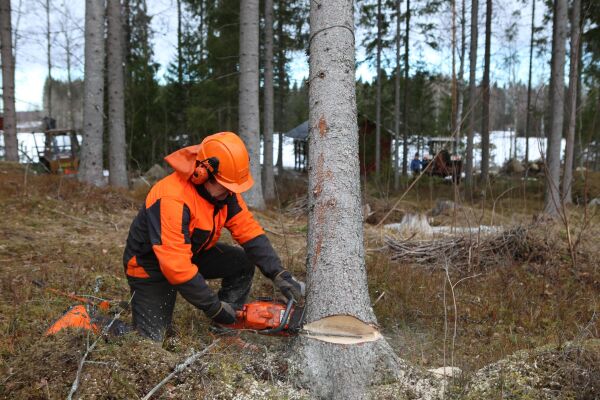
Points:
[(222, 156)]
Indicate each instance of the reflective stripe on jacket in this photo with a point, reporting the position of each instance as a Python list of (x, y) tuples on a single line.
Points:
[(180, 219)]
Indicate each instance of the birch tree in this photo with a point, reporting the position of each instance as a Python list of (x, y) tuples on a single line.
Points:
[(269, 182), (8, 83), (557, 91), (378, 95), (90, 169), (405, 112), (572, 101), (397, 99), (249, 118), (117, 157)]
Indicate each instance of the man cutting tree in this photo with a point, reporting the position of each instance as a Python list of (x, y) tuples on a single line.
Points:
[(173, 241)]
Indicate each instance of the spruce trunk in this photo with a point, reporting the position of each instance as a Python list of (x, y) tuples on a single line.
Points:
[(249, 114), (90, 168), (8, 84)]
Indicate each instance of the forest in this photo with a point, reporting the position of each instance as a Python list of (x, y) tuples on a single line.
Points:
[(410, 191)]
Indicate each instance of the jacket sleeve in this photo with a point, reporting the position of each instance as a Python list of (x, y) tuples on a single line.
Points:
[(169, 230), (247, 232)]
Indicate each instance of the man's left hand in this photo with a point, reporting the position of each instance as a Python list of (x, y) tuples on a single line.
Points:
[(289, 286)]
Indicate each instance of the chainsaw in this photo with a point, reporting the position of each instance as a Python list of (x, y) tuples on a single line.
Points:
[(269, 317)]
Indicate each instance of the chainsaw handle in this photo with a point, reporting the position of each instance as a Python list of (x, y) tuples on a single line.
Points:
[(284, 319)]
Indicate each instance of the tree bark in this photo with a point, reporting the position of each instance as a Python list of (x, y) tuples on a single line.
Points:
[(378, 93), (405, 113), (49, 58), (90, 169), (335, 259), (472, 93), (485, 87), (397, 101), (117, 157), (572, 101), (269, 179), (249, 118), (281, 84), (461, 71), (559, 36), (529, 111), (8, 83)]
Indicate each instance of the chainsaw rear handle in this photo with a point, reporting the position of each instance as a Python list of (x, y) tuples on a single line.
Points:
[(284, 319)]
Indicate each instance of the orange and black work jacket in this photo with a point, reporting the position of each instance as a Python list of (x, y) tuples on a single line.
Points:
[(180, 219)]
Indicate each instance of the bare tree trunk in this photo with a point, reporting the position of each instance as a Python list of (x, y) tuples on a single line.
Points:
[(529, 111), (472, 93), (281, 85), (454, 116), (11, 152), (397, 101), (572, 98), (485, 87), (49, 57), (249, 118), (117, 159), (557, 89), (378, 94), (269, 182), (405, 113), (90, 169), (461, 72), (335, 258)]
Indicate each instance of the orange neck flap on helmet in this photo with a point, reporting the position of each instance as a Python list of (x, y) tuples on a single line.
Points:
[(228, 149), (183, 161)]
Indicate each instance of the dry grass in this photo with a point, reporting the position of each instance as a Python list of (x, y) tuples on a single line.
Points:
[(66, 234)]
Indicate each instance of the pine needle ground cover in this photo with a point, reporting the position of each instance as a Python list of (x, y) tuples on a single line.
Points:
[(71, 237)]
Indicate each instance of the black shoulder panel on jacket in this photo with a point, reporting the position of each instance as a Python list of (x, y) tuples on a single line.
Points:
[(153, 214), (233, 207), (185, 224)]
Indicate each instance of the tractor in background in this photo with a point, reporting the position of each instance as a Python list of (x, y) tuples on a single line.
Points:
[(443, 159)]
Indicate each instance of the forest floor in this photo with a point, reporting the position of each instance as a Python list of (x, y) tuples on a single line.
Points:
[(535, 307)]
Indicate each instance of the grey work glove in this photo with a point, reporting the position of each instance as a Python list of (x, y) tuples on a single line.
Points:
[(289, 286), (221, 313)]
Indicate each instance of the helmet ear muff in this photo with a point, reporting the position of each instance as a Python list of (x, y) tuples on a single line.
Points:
[(205, 170)]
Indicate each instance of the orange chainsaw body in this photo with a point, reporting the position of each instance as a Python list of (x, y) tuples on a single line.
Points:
[(259, 315)]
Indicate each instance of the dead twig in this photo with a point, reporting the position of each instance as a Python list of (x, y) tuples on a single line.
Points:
[(188, 361)]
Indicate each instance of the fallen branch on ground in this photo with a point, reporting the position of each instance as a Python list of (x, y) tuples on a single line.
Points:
[(188, 361)]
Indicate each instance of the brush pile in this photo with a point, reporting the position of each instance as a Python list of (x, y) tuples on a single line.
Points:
[(518, 243)]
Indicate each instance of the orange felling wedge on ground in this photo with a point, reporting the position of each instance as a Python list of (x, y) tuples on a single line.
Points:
[(76, 317)]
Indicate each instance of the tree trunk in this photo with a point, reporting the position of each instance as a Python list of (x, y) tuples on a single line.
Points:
[(528, 118), (485, 87), (335, 260), (557, 89), (281, 85), (397, 102), (249, 118), (572, 98), (49, 58), (405, 113), (117, 162), (8, 83), (269, 183), (90, 169), (454, 116), (461, 72), (378, 94), (472, 93)]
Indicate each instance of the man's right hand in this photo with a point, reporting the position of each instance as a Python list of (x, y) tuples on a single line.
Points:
[(222, 313)]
